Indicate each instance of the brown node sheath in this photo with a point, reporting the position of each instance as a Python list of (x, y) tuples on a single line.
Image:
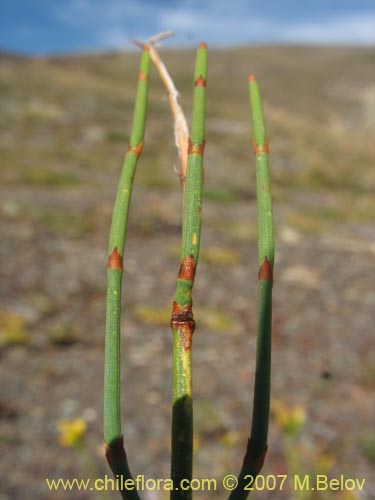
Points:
[(187, 268), (182, 318), (196, 149), (261, 149), (265, 271), (142, 77), (202, 45), (254, 461), (251, 78), (115, 260), (136, 149), (200, 82), (115, 452), (183, 321)]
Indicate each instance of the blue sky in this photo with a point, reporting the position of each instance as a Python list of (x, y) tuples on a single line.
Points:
[(42, 27)]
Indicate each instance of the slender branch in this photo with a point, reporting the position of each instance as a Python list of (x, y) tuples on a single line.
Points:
[(115, 452), (160, 36), (257, 443), (181, 131), (182, 321)]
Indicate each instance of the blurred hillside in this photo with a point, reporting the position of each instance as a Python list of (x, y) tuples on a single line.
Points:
[(64, 128)]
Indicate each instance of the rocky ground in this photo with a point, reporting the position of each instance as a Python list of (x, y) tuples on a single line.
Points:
[(64, 126)]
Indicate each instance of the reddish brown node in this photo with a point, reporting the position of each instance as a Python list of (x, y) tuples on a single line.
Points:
[(261, 149), (142, 77), (200, 81), (183, 321), (196, 149), (251, 78), (187, 268), (115, 260), (202, 45), (265, 271), (136, 149), (115, 452)]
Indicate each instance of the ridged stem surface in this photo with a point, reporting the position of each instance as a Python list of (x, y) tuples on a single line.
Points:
[(182, 322), (257, 443), (112, 418)]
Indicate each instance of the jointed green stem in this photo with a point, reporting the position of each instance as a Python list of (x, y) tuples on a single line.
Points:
[(266, 262), (257, 444), (182, 322), (112, 419)]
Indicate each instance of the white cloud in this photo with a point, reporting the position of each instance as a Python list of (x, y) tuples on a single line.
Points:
[(227, 26), (218, 26), (359, 29), (114, 38), (111, 13), (219, 23)]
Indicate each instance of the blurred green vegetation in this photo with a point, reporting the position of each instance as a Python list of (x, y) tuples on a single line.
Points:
[(211, 319), (65, 122), (64, 129), (13, 329)]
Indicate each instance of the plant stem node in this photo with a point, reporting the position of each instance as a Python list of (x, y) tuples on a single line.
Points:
[(142, 77), (261, 148), (196, 149), (187, 268), (200, 82), (137, 150), (115, 452), (265, 271), (254, 460), (115, 260), (183, 321)]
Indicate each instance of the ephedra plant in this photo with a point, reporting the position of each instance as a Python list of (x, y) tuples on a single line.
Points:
[(191, 149)]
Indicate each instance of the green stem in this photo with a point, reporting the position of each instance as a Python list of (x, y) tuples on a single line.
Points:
[(112, 419), (182, 322), (257, 444)]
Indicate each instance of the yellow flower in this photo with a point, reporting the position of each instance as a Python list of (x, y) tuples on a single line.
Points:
[(290, 419), (71, 432)]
